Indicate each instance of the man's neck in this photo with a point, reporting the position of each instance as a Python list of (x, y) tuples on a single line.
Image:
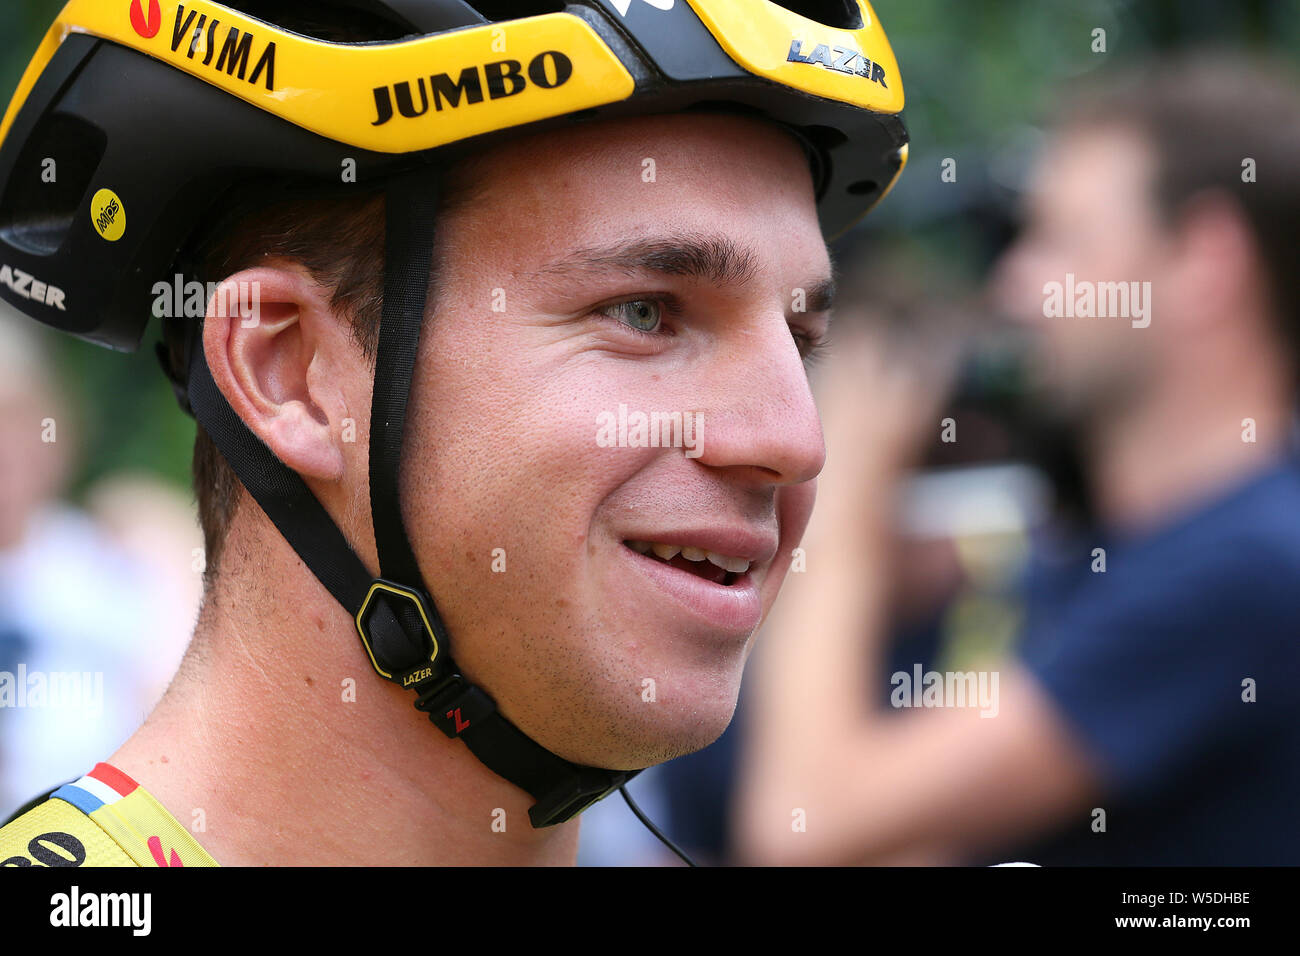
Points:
[(288, 747), (1179, 447)]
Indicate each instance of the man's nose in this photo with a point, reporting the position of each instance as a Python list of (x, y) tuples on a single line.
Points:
[(760, 417)]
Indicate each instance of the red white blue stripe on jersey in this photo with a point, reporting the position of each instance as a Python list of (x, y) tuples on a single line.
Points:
[(101, 786)]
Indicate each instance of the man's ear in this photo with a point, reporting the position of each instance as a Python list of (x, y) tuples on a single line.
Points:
[(1220, 260), (278, 353)]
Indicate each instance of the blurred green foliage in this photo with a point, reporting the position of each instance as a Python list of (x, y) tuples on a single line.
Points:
[(975, 74)]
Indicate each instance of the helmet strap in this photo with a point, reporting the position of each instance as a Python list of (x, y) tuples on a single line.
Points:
[(396, 617)]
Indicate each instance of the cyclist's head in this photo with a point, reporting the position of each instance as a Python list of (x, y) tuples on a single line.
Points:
[(1184, 174), (574, 298)]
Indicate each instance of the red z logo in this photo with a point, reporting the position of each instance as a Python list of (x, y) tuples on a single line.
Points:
[(146, 25), (460, 725)]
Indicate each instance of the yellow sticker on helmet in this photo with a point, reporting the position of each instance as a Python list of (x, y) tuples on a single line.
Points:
[(108, 215)]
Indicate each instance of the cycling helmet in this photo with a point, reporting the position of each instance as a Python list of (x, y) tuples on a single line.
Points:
[(147, 109)]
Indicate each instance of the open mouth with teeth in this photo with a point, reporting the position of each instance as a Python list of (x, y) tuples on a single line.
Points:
[(717, 568)]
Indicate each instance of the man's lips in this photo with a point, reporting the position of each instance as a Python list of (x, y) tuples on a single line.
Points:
[(756, 547), (706, 568), (721, 599)]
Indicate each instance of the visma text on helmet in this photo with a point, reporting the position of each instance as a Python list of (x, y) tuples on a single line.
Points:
[(235, 51), (179, 299), (636, 429)]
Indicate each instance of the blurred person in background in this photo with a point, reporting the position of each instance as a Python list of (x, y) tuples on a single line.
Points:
[(76, 678), (1148, 715), (155, 524)]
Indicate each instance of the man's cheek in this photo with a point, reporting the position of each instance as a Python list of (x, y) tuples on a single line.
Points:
[(794, 505)]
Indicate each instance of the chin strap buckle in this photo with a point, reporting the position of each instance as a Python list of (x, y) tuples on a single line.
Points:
[(396, 624), (562, 789), (400, 630), (576, 793)]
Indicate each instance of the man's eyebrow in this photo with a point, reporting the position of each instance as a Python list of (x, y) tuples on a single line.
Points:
[(820, 296), (717, 259)]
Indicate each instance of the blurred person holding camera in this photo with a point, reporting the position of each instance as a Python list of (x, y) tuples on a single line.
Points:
[(1148, 715)]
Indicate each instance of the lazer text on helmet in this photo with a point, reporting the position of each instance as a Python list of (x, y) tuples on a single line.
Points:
[(29, 287), (842, 59)]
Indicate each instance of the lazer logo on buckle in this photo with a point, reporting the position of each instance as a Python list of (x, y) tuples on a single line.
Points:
[(236, 47), (842, 59), (29, 287), (503, 78), (416, 676)]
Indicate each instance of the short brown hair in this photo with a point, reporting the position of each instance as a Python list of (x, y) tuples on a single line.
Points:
[(340, 242), (1205, 113)]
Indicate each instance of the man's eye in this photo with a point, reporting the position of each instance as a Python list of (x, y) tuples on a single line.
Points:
[(811, 347), (644, 315)]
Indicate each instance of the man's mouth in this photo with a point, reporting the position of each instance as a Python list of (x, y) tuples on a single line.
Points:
[(713, 567)]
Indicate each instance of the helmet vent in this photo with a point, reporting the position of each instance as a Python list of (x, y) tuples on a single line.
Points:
[(49, 181), (334, 21), (516, 9), (841, 14)]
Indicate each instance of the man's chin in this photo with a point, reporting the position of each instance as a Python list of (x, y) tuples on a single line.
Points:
[(670, 731)]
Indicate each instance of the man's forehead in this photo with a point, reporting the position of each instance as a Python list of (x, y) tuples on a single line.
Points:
[(696, 131), (1098, 157), (724, 199), (665, 170)]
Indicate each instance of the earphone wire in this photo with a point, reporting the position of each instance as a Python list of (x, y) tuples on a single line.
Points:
[(654, 829)]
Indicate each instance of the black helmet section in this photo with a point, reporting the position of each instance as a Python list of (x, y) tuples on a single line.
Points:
[(377, 19), (176, 145)]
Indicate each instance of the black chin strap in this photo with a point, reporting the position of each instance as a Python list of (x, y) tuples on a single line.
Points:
[(397, 620)]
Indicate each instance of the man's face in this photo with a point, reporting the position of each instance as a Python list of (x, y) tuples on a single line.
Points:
[(1090, 213), (639, 270)]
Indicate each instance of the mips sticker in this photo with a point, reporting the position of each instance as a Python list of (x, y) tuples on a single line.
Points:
[(108, 215)]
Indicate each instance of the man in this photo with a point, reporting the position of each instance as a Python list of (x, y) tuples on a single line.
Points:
[(1148, 717), (662, 261)]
